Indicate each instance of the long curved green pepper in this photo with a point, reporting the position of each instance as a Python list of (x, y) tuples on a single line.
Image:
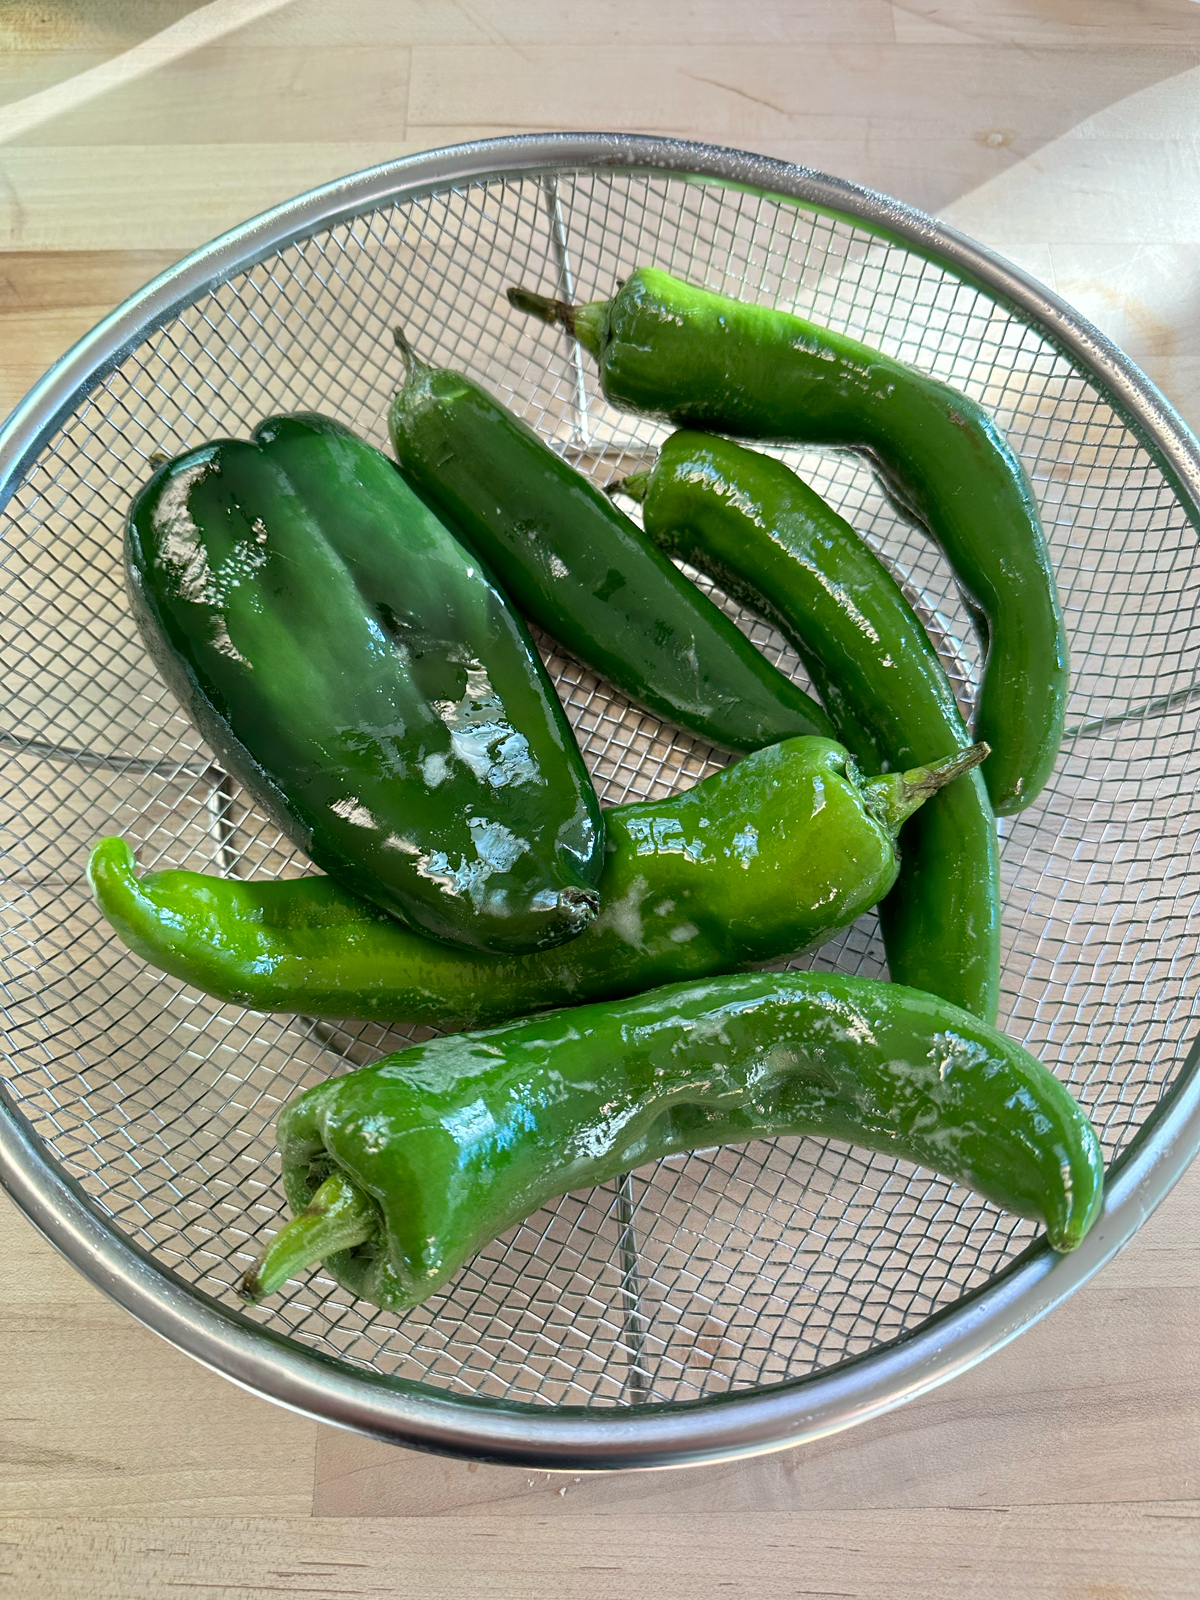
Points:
[(578, 567), (770, 541), (762, 860), (399, 1172), (702, 360)]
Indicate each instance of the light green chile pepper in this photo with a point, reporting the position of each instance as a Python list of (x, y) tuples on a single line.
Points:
[(764, 859)]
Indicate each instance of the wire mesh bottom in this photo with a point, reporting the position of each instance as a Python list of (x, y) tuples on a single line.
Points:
[(722, 1270)]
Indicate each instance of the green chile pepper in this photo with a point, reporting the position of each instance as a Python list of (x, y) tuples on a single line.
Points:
[(364, 677), (774, 544), (759, 861), (399, 1172), (583, 571), (702, 360)]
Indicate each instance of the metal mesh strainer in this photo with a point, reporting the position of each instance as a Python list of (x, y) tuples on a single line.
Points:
[(725, 1292)]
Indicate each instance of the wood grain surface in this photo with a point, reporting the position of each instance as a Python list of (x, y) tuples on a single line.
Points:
[(1065, 133)]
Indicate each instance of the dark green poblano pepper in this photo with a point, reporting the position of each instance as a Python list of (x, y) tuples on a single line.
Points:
[(701, 360), (398, 1173), (761, 860), (360, 672)]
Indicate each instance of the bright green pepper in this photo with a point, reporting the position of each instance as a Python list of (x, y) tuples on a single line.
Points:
[(774, 544), (399, 1172), (363, 676), (759, 861), (701, 360), (583, 571)]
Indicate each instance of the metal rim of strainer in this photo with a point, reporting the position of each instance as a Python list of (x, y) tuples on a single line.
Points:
[(578, 1438)]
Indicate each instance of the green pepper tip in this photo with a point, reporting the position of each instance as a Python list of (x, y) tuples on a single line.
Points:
[(581, 903), (112, 856), (249, 1287)]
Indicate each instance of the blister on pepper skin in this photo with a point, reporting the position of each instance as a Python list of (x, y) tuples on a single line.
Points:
[(361, 674)]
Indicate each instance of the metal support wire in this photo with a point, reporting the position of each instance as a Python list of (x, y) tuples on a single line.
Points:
[(583, 444), (638, 1382), (219, 802), (634, 1328), (581, 432), (72, 755)]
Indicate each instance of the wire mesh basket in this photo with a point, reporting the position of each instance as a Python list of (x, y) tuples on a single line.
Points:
[(714, 1304)]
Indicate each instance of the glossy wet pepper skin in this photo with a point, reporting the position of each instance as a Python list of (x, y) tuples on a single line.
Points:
[(761, 860), (360, 672), (445, 1145), (701, 360), (581, 570), (772, 542)]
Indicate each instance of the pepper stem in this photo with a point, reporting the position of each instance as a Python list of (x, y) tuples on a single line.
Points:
[(543, 306), (337, 1217), (587, 323), (636, 485), (894, 797), (408, 355)]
